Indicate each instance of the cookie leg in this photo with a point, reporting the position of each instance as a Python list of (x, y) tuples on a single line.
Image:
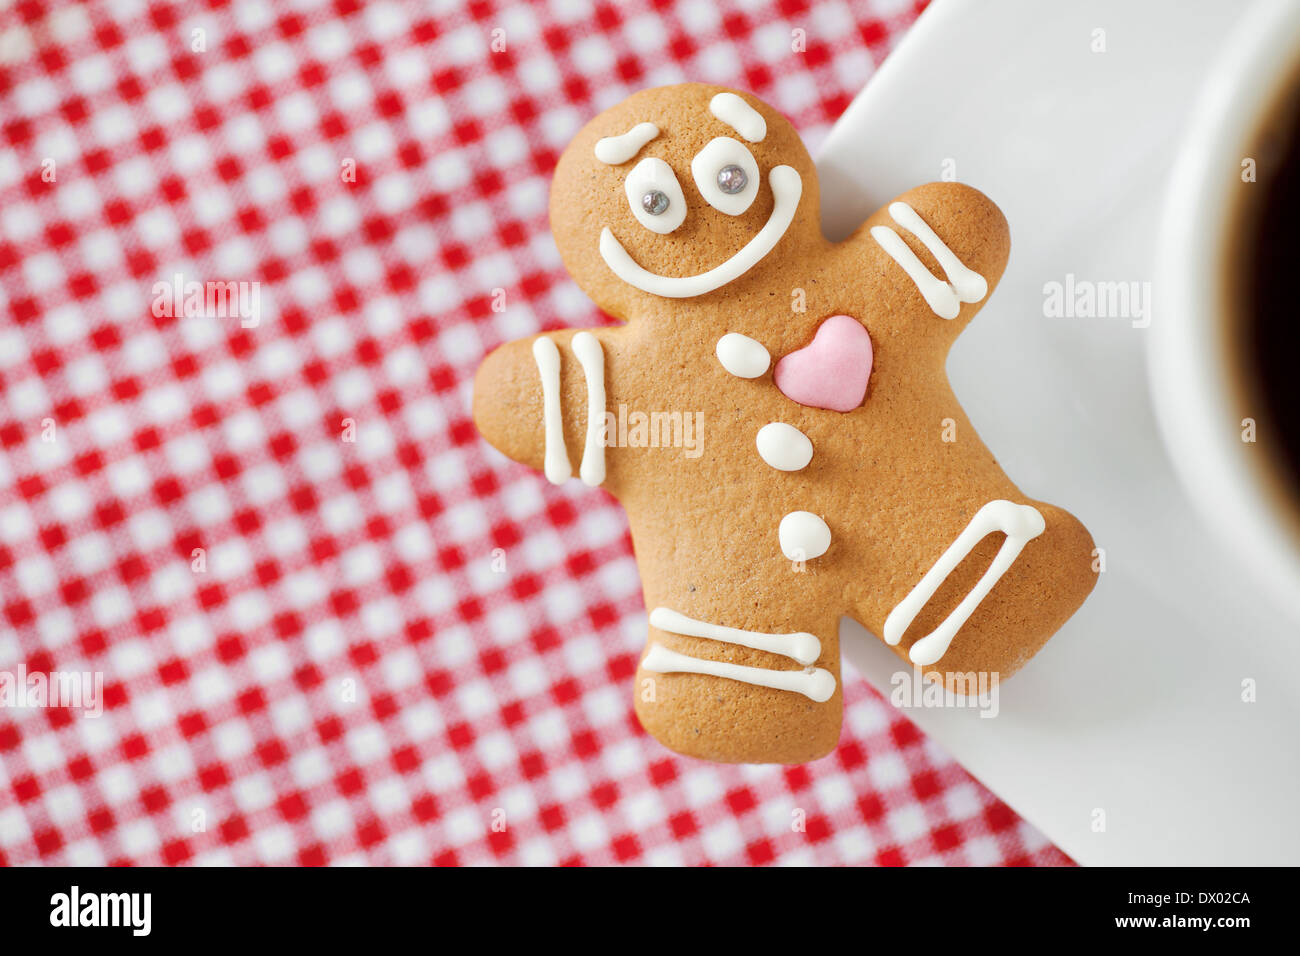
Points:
[(710, 689), (996, 593)]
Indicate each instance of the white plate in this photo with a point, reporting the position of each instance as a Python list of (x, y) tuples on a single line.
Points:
[(1135, 709)]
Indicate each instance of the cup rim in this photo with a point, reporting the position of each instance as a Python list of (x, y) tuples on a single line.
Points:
[(1192, 381)]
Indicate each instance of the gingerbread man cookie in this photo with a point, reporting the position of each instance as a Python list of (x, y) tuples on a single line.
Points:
[(786, 462)]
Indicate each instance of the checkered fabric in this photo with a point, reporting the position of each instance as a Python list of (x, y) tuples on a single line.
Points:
[(334, 626)]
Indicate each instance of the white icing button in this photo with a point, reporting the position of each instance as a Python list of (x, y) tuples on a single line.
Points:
[(742, 356), (803, 536), (784, 447)]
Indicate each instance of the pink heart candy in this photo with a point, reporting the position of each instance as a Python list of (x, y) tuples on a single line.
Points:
[(832, 370)]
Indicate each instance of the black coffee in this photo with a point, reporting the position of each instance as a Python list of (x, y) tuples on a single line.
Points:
[(1267, 286)]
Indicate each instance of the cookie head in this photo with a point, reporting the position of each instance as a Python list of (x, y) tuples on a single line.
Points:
[(681, 192)]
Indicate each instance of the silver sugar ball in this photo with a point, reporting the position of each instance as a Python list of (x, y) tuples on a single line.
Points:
[(732, 179), (654, 202)]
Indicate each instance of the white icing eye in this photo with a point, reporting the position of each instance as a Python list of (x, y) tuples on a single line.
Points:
[(655, 195), (726, 175)]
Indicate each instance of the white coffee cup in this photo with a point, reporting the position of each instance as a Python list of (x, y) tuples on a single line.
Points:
[(1194, 378)]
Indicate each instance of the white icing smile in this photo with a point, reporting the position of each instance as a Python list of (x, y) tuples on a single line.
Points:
[(787, 187)]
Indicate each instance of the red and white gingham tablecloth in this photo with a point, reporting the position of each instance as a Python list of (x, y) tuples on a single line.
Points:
[(332, 625)]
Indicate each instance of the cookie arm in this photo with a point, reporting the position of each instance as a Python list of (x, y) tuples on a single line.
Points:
[(541, 402), (936, 252)]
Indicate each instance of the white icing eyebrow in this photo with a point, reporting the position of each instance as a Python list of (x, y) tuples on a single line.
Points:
[(616, 150), (740, 116)]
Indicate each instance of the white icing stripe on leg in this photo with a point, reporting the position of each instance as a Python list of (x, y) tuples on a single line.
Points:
[(943, 298), (815, 683), (800, 645), (556, 463), (1020, 523), (592, 358)]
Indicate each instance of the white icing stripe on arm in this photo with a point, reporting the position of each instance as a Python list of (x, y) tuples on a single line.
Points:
[(592, 358), (1020, 523), (943, 298), (616, 150), (969, 285), (740, 116), (815, 683), (800, 645), (556, 464), (937, 294)]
